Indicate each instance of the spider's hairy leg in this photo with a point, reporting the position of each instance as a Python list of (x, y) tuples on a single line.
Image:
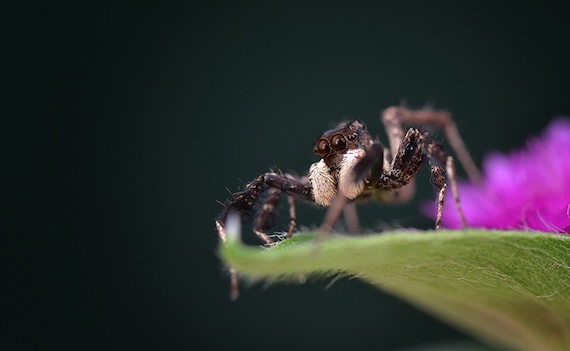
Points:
[(291, 201), (268, 216), (246, 201), (437, 118), (438, 180), (242, 203), (408, 159), (450, 167), (438, 159), (395, 131)]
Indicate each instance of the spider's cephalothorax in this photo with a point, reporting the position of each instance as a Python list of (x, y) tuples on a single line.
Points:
[(340, 150), (353, 167), (352, 164)]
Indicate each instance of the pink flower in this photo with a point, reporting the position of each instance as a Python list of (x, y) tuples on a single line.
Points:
[(527, 189)]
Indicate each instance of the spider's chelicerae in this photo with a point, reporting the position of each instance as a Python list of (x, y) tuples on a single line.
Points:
[(355, 167)]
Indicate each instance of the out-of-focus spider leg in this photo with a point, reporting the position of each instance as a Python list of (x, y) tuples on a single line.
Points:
[(332, 215), (351, 218)]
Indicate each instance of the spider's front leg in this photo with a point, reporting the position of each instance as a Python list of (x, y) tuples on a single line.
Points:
[(268, 217), (271, 185), (409, 158), (245, 203), (394, 117)]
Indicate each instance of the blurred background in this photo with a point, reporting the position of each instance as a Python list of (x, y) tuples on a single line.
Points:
[(127, 121)]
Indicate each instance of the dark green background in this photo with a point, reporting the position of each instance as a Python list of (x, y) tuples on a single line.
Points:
[(133, 118)]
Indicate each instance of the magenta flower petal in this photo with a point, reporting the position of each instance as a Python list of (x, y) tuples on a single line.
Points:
[(526, 189)]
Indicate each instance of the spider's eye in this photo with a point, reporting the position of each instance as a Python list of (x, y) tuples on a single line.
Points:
[(351, 137), (338, 143), (322, 148)]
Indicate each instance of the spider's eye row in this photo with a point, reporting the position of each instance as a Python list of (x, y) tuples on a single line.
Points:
[(338, 142), (351, 137)]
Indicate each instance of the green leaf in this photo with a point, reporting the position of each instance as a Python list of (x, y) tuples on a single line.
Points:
[(511, 289)]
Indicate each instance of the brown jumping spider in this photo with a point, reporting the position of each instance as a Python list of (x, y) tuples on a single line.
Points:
[(356, 167)]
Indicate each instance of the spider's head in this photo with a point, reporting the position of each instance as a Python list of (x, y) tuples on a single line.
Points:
[(346, 136), (334, 143)]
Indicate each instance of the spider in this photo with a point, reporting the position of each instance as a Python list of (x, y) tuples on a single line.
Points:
[(354, 167)]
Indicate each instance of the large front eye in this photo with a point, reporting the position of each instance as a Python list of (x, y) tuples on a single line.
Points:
[(338, 143), (322, 148)]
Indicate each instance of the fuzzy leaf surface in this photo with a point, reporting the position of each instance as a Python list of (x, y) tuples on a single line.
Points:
[(511, 289)]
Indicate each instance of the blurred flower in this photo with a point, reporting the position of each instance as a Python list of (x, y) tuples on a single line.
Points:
[(527, 189)]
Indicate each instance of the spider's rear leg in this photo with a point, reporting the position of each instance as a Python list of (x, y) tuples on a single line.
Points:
[(438, 180), (438, 158), (450, 167)]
